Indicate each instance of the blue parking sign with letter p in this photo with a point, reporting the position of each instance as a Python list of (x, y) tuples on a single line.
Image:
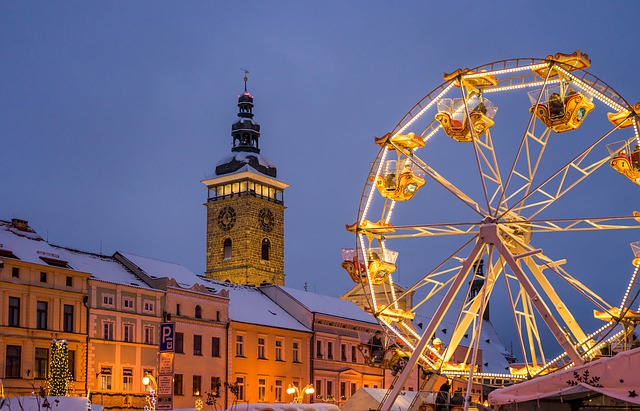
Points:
[(167, 337)]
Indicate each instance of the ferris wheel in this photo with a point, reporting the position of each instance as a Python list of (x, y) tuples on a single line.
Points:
[(485, 165)]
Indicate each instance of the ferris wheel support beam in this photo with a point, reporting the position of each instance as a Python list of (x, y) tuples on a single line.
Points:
[(435, 321), (473, 311), (562, 309), (489, 234)]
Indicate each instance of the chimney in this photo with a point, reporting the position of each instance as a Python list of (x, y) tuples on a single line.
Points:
[(22, 225)]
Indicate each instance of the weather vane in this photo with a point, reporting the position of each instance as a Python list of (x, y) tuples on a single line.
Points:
[(245, 77)]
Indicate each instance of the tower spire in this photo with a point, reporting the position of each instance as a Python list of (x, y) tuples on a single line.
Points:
[(245, 135), (245, 78)]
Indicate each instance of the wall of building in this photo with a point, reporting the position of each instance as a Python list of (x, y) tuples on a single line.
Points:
[(31, 336), (265, 373)]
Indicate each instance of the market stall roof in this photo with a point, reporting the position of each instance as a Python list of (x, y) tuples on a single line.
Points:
[(615, 377)]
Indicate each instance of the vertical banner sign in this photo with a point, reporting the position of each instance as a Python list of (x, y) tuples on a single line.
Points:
[(165, 366)]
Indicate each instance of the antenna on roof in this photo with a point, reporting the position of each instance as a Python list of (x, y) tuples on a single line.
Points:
[(245, 77)]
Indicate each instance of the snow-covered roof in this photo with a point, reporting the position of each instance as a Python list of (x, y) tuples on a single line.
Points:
[(159, 269), (26, 244), (243, 157), (248, 305), (101, 267), (333, 306)]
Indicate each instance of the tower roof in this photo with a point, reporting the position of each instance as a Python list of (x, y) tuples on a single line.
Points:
[(245, 135)]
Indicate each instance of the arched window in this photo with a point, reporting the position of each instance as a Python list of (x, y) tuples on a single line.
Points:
[(198, 311), (266, 246), (226, 254)]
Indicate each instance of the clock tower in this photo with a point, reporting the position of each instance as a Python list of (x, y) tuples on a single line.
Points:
[(245, 209)]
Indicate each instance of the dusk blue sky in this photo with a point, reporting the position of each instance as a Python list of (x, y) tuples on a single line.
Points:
[(112, 112)]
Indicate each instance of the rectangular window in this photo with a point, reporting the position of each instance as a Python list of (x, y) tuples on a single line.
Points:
[(127, 332), (67, 319), (261, 347), (318, 388), (262, 389), (343, 390), (14, 312), (329, 389), (42, 364), (330, 350), (177, 384), (197, 345), (15, 272), (107, 300), (148, 306), (215, 386), (106, 378), (127, 303), (240, 383), (13, 363), (69, 281), (279, 350), (354, 354), (149, 332), (41, 315), (215, 346), (43, 277), (177, 309), (318, 349), (343, 352), (354, 388), (180, 343), (239, 346), (72, 364), (197, 385), (107, 330), (278, 392), (127, 379), (295, 353)]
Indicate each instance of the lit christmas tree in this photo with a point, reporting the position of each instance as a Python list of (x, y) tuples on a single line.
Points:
[(59, 369)]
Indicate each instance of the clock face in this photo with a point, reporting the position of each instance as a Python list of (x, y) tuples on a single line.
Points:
[(227, 218), (265, 217)]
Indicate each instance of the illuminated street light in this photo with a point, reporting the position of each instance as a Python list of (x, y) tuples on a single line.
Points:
[(151, 398), (299, 394)]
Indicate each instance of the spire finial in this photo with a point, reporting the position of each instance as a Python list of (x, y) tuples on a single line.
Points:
[(245, 77)]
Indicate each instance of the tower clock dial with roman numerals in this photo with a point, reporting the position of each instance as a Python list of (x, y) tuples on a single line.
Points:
[(265, 217)]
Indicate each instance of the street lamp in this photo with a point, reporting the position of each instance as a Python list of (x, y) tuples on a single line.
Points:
[(151, 398), (299, 394)]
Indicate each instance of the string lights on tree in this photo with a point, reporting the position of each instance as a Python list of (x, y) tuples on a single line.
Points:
[(59, 374)]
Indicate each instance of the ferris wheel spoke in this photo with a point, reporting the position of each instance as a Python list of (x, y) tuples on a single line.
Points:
[(529, 152), (560, 182), (448, 185), (489, 168), (584, 224), (436, 279)]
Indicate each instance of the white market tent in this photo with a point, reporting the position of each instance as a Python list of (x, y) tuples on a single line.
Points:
[(370, 398), (614, 377)]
